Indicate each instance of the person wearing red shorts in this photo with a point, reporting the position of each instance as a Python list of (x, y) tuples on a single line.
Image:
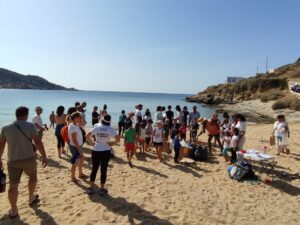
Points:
[(129, 142)]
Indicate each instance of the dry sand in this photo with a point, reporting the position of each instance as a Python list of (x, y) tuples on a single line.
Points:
[(154, 193)]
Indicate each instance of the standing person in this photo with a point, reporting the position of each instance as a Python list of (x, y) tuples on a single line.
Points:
[(182, 131), (177, 115), (234, 144), (194, 130), (158, 139), (60, 120), (82, 121), (103, 112), (121, 123), (148, 134), (21, 157), (281, 132), (95, 116), (213, 128), (52, 119), (147, 116), (193, 115), (158, 114), (37, 121), (176, 145), (170, 117), (138, 117), (226, 144), (76, 142), (101, 151), (163, 111), (241, 125), (129, 142), (184, 115)]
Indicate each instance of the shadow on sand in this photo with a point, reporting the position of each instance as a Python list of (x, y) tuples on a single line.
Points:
[(134, 212)]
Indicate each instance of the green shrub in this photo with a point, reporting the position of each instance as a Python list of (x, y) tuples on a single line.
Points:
[(272, 95)]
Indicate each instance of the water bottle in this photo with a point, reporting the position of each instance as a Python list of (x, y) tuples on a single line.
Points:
[(2, 181)]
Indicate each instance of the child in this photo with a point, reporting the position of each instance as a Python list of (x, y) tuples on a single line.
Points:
[(158, 139), (194, 130), (182, 131), (234, 144), (129, 142), (226, 144), (148, 133), (122, 119), (76, 141), (176, 145), (52, 119), (141, 137)]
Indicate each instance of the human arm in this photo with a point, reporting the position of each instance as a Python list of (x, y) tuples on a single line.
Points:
[(41, 149), (89, 139), (2, 146), (116, 141)]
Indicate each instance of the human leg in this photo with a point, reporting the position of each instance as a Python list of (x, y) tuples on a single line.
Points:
[(95, 167), (105, 157)]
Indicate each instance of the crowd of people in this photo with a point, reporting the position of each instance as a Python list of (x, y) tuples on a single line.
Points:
[(166, 130)]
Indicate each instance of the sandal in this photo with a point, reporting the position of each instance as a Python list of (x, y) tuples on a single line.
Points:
[(11, 216), (35, 200)]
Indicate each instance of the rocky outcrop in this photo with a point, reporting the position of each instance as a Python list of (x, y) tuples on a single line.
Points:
[(261, 85), (13, 80)]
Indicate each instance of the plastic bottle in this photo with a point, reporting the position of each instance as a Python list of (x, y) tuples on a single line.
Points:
[(2, 181)]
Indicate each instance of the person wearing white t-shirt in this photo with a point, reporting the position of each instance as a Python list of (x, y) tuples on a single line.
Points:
[(158, 139), (101, 153), (234, 145), (241, 125), (75, 145), (282, 133), (37, 121)]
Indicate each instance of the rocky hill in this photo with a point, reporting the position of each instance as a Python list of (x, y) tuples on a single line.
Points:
[(13, 80), (266, 87)]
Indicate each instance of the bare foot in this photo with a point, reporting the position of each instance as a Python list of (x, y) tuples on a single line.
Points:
[(83, 176), (74, 180)]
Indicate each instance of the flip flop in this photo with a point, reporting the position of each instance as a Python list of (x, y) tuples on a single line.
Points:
[(11, 216), (35, 200)]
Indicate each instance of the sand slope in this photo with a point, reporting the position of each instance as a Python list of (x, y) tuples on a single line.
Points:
[(154, 193)]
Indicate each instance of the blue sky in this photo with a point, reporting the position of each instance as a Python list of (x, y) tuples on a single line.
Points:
[(166, 46)]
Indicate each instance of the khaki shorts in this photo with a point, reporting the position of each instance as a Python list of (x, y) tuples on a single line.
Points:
[(16, 168)]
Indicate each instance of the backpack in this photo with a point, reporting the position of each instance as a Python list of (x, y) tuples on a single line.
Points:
[(65, 133), (240, 171), (199, 153)]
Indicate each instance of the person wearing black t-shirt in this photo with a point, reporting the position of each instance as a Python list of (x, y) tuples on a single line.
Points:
[(95, 116), (170, 117)]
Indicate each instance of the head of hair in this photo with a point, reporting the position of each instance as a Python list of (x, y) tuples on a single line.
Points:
[(129, 123), (169, 107), (77, 104), (83, 104), (150, 121), (158, 108), (71, 110), (95, 108), (225, 115), (281, 116), (75, 115), (60, 110), (163, 108), (178, 108), (104, 107), (185, 108), (123, 111), (241, 117), (21, 112), (106, 120)]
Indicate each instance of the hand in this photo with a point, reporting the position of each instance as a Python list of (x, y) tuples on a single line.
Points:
[(81, 153), (44, 161)]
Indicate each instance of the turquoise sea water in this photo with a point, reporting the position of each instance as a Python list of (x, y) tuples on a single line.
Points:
[(10, 99)]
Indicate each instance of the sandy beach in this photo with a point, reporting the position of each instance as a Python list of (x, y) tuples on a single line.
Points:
[(164, 193)]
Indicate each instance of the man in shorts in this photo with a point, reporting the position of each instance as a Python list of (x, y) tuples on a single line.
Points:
[(21, 157)]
